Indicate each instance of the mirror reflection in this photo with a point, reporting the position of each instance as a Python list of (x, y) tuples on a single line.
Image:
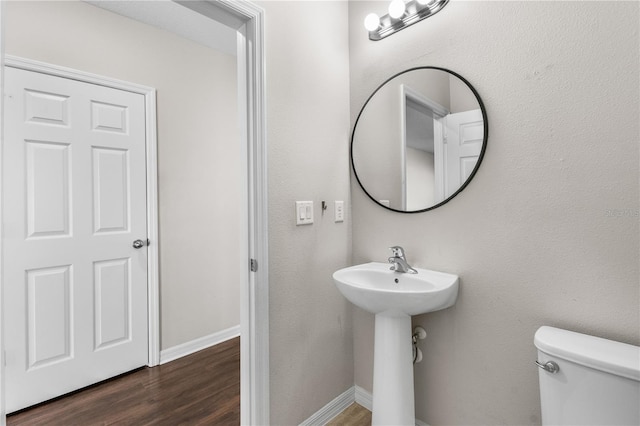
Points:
[(419, 139)]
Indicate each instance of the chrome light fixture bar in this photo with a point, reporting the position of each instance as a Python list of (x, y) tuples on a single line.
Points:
[(401, 15)]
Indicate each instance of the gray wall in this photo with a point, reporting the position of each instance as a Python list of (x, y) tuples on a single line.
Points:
[(532, 237), (311, 342), (198, 147)]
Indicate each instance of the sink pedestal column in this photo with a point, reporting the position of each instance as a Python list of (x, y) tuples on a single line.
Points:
[(393, 402)]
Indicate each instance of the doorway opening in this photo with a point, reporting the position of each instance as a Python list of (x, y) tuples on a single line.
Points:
[(422, 149), (246, 20), (439, 148)]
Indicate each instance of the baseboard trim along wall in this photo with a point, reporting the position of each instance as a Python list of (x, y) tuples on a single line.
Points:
[(364, 398), (342, 402), (332, 409), (184, 349)]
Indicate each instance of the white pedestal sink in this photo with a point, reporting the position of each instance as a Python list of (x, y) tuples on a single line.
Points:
[(393, 297)]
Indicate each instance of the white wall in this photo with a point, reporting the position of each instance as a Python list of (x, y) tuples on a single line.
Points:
[(462, 99), (532, 236), (307, 91), (421, 181), (198, 147)]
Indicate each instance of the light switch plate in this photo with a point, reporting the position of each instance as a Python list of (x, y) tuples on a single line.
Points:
[(304, 212), (339, 211)]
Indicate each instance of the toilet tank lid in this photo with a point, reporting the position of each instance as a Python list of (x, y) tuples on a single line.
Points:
[(601, 354)]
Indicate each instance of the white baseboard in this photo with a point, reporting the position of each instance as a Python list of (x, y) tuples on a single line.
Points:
[(332, 409), (184, 349), (364, 398), (342, 402)]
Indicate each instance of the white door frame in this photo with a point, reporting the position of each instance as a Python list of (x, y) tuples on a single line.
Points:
[(439, 114), (248, 20)]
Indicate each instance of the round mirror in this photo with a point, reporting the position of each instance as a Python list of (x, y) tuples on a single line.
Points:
[(419, 139)]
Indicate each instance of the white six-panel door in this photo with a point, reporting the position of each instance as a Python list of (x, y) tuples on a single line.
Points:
[(464, 135), (75, 200)]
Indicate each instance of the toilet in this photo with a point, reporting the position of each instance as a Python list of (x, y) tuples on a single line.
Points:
[(586, 380)]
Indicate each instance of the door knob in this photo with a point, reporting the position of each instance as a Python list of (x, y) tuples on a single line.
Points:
[(138, 244)]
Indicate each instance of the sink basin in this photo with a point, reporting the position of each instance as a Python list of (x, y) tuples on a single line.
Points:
[(394, 297), (377, 289)]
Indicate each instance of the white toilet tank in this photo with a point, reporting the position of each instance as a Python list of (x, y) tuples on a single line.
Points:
[(597, 383)]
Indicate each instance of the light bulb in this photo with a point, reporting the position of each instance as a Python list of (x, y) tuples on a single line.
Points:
[(396, 9), (372, 22)]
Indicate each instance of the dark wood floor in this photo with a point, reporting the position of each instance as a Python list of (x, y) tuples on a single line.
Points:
[(199, 389)]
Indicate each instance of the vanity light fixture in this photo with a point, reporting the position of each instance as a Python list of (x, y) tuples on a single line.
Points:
[(397, 8), (400, 16)]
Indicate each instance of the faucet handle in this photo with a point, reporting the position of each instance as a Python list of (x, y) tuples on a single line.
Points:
[(397, 251)]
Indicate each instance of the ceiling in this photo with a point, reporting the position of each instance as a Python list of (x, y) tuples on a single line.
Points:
[(183, 21)]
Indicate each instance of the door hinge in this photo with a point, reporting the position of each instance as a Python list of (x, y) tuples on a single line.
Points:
[(253, 265)]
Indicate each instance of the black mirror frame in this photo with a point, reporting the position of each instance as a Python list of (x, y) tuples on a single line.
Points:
[(473, 172)]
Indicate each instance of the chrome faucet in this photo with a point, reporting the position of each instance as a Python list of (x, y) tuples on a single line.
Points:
[(399, 261)]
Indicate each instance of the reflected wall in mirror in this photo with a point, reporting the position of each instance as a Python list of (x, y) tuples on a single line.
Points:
[(419, 139)]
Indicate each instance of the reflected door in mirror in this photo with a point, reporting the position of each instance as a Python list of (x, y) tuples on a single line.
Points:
[(418, 140)]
